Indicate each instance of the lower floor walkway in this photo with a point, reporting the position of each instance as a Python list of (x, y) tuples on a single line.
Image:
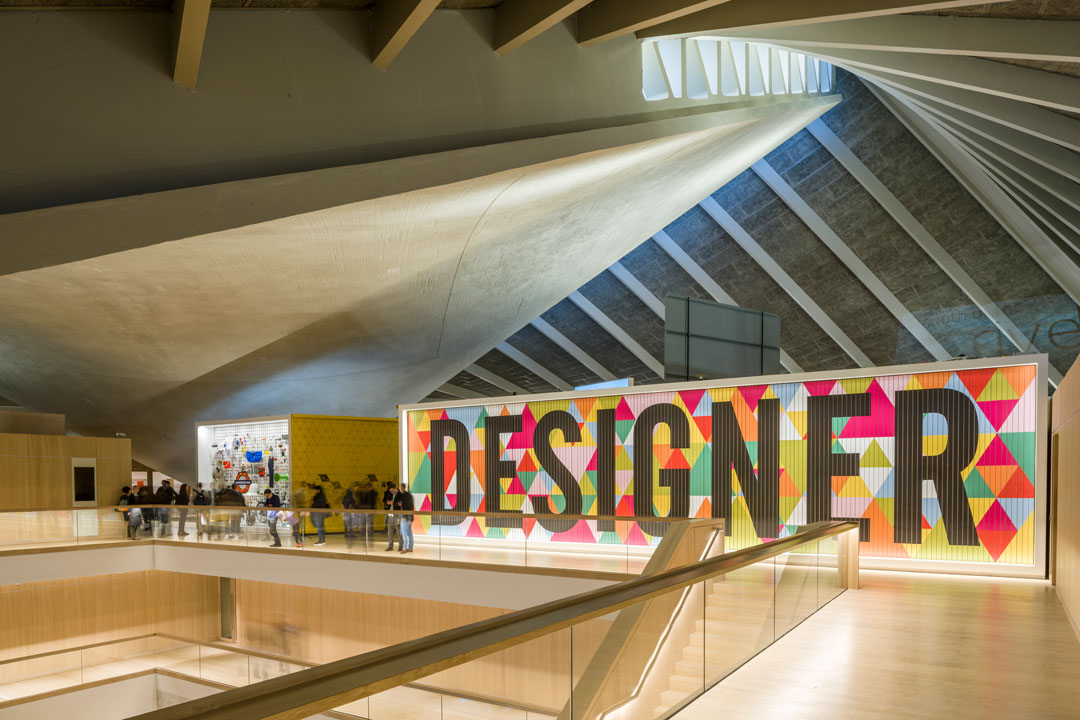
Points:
[(910, 645)]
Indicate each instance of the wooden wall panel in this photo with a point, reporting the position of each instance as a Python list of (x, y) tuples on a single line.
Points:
[(1066, 479), (48, 616), (323, 625), (35, 470), (20, 421)]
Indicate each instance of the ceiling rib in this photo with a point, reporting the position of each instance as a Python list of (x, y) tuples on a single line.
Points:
[(934, 34), (1046, 209), (635, 286), (896, 209), (987, 77), (850, 259), (532, 366), (745, 14), (785, 281), (606, 19), (497, 380), (519, 21), (621, 336), (189, 32), (460, 392), (574, 350), (705, 280), (393, 23), (972, 176)]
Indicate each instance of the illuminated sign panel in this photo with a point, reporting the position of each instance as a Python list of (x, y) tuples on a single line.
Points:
[(939, 463)]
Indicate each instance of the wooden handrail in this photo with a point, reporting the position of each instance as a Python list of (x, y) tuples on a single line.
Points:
[(309, 692)]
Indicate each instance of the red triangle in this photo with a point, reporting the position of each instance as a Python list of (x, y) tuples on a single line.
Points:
[(996, 519), (625, 506), (515, 488), (449, 465), (1018, 486), (426, 505), (996, 454), (995, 541), (975, 380), (592, 462), (819, 387), (997, 411), (926, 524), (691, 398), (527, 464), (704, 423), (677, 461), (451, 500), (623, 411), (752, 393), (528, 524)]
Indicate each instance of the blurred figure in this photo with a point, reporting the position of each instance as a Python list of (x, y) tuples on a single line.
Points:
[(132, 517), (165, 497), (230, 497), (365, 522), (348, 502), (272, 501), (183, 499), (318, 519), (202, 517), (392, 526), (146, 497), (403, 504)]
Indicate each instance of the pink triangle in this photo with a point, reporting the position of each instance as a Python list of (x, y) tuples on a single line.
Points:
[(995, 519), (997, 411), (516, 487), (881, 421), (426, 505), (451, 500), (474, 530), (819, 387), (752, 393), (691, 399), (996, 454), (623, 411), (523, 440), (592, 462)]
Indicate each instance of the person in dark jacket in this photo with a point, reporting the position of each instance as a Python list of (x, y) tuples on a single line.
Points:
[(348, 502), (165, 496), (231, 497), (183, 499), (202, 517), (318, 519), (272, 502), (403, 507), (146, 497), (391, 521), (131, 517)]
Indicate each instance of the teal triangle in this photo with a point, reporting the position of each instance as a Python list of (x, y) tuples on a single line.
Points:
[(976, 487), (480, 419), (701, 475), (422, 481), (623, 428), (751, 447)]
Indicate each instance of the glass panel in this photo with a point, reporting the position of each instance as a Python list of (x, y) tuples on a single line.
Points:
[(796, 586), (34, 529), (828, 569), (223, 666), (739, 618), (29, 677)]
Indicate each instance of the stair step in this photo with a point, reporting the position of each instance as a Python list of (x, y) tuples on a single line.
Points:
[(685, 684)]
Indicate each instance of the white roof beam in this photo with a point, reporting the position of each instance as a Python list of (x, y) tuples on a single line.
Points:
[(635, 286), (189, 32), (746, 14), (393, 23), (938, 35), (705, 280), (519, 21), (495, 379), (1047, 154), (1024, 117), (987, 77), (571, 348), (892, 205), (850, 259), (460, 392), (532, 366), (621, 336), (606, 19), (1025, 196), (1027, 233)]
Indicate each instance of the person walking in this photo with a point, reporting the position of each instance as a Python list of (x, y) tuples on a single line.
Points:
[(391, 521), (403, 503), (183, 500), (348, 502), (164, 497), (132, 517), (202, 518), (231, 497), (318, 519), (365, 500), (272, 501), (146, 498)]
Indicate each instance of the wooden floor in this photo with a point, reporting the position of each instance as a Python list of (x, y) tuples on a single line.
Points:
[(910, 645)]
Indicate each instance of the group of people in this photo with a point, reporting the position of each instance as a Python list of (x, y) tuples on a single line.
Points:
[(358, 525)]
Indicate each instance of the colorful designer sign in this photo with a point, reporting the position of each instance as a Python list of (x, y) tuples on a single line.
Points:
[(936, 465)]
